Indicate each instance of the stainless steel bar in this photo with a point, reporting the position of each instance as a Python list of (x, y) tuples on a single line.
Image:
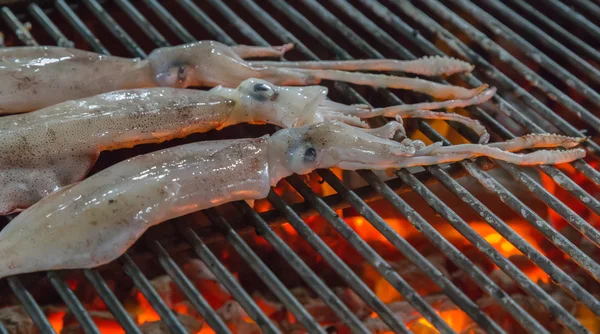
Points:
[(493, 48), (188, 289), (496, 257), (111, 301), (143, 285), (141, 21), (264, 273), (170, 21), (549, 42), (106, 19), (576, 18), (308, 276), (588, 7), (80, 27), (567, 183), (31, 307), (15, 24), (67, 295), (557, 29), (205, 21), (538, 56), (374, 259), (337, 264), (49, 26), (228, 281)]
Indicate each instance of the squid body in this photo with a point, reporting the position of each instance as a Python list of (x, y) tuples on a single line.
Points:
[(44, 150), (95, 221), (32, 78)]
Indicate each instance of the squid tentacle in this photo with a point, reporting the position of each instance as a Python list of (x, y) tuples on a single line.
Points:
[(429, 66), (248, 51), (449, 154), (537, 140), (292, 76)]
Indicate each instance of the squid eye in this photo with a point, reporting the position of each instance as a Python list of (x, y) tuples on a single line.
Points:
[(181, 74), (310, 155), (302, 158), (263, 92)]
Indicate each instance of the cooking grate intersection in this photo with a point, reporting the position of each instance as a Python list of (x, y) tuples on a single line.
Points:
[(350, 197)]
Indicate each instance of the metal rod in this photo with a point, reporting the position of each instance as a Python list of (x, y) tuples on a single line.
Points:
[(141, 21), (310, 277), (143, 285), (49, 26), (31, 307), (114, 28), (170, 21), (80, 27), (557, 29), (188, 289), (265, 274), (337, 264), (374, 259), (20, 30), (67, 295), (531, 76), (205, 21), (228, 281), (111, 301), (575, 17)]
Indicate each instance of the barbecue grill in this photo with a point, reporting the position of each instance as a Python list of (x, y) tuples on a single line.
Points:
[(548, 79)]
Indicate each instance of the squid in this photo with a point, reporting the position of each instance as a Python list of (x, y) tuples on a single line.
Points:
[(93, 222), (50, 148), (32, 78)]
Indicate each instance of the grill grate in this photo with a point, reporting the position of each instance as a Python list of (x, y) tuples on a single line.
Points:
[(524, 111)]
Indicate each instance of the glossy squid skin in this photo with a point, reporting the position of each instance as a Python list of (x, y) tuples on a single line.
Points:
[(92, 222), (95, 221), (32, 78), (56, 146)]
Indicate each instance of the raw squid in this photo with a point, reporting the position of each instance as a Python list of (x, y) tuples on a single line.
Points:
[(32, 78), (44, 150), (95, 221)]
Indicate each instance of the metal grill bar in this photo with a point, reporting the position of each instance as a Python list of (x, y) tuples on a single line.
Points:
[(558, 176), (30, 305), (382, 267), (142, 22), (73, 303), (537, 189), (317, 203), (533, 78), (573, 16), (80, 27), (265, 274), (114, 28), (170, 21), (588, 7), (13, 22), (111, 301), (184, 284), (337, 264), (557, 29), (143, 285), (549, 232), (228, 281), (239, 25), (49, 26), (540, 58), (311, 279), (330, 19)]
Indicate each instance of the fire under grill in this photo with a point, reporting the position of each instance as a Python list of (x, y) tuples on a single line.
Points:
[(494, 247)]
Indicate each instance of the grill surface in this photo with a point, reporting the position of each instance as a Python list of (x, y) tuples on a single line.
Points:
[(366, 28)]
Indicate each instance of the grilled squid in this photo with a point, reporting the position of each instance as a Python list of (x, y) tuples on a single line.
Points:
[(44, 150), (32, 78), (95, 221)]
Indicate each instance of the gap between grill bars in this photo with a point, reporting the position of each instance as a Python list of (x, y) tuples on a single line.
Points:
[(315, 204)]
